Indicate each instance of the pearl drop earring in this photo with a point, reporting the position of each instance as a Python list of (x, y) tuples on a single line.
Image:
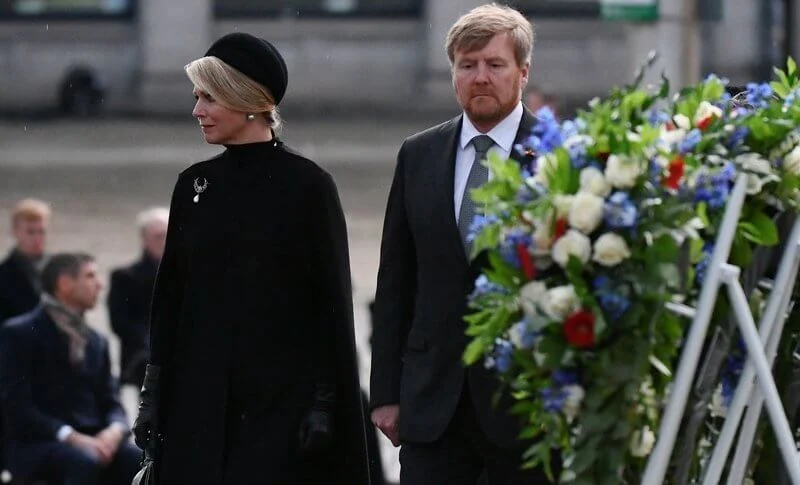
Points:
[(251, 117)]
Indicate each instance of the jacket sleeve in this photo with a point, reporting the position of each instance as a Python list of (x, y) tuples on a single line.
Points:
[(128, 329), (394, 298), (108, 392), (22, 419), (333, 289), (168, 289)]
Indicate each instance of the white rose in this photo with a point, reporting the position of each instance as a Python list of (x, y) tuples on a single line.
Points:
[(586, 213), (530, 297), (717, 405), (559, 302), (572, 404), (563, 204), (610, 249), (572, 243), (671, 138), (593, 181), (622, 173), (642, 442), (791, 163), (682, 122), (753, 162), (705, 110)]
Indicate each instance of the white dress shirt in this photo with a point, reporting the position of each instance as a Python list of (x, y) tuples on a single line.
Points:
[(503, 136)]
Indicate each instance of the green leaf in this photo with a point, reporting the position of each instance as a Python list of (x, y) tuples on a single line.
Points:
[(741, 252), (791, 66), (475, 350), (760, 229)]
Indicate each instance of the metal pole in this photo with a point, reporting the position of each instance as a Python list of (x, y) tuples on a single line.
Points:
[(748, 432), (776, 305), (693, 343), (780, 425)]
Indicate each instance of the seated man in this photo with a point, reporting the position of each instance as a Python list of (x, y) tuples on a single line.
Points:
[(64, 422)]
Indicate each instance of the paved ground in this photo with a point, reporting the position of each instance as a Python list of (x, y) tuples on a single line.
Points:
[(99, 174)]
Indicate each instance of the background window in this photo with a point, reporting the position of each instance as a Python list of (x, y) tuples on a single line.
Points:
[(66, 8), (319, 8), (558, 8)]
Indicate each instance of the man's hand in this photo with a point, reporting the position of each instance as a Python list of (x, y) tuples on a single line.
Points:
[(110, 438), (386, 419), (91, 446)]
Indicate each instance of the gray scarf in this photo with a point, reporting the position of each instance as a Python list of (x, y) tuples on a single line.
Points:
[(71, 324)]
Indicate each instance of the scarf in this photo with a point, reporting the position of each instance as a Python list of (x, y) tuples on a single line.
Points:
[(71, 324)]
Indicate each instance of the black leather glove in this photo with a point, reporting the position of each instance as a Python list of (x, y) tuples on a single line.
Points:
[(316, 430), (148, 399)]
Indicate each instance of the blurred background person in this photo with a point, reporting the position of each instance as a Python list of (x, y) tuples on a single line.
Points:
[(64, 422), (129, 303), (534, 99), (20, 272)]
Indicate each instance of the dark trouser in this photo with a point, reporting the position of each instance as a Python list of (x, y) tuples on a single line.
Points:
[(70, 466), (463, 456)]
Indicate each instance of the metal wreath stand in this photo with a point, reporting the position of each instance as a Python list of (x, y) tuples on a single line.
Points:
[(756, 386)]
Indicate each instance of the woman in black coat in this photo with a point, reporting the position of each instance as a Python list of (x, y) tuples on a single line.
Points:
[(253, 375)]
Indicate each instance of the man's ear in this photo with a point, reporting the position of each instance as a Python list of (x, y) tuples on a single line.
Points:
[(64, 284)]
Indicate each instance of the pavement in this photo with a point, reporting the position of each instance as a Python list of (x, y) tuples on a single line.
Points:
[(98, 174)]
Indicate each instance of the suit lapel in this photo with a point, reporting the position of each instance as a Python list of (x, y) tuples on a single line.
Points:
[(447, 143), (523, 157)]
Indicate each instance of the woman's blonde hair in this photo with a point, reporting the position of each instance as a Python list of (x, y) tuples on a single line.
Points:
[(475, 29), (232, 89)]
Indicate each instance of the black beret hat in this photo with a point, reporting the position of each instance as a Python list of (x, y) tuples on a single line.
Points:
[(255, 58)]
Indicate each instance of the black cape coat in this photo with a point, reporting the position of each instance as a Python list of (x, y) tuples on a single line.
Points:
[(252, 307)]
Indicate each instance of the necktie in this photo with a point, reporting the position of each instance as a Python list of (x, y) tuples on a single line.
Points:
[(478, 175)]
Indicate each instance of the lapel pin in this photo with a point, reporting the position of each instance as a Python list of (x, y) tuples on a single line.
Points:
[(199, 188)]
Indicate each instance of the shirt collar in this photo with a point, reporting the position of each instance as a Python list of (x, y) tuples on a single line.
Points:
[(503, 134)]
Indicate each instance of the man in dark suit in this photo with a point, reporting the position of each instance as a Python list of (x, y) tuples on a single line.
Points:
[(130, 294), (63, 419), (19, 272), (422, 396)]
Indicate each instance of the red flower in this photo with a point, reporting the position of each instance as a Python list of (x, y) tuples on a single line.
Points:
[(579, 329), (670, 126), (676, 169), (703, 124), (560, 229), (526, 261)]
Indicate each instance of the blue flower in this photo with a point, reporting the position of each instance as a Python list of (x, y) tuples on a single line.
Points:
[(619, 212), (479, 222), (732, 371), (546, 134), (578, 155), (737, 137), (522, 335), (502, 354), (553, 399), (614, 304), (791, 98), (690, 141), (483, 286), (715, 189), (713, 77), (758, 95), (702, 265), (601, 282), (508, 248), (563, 378), (656, 117)]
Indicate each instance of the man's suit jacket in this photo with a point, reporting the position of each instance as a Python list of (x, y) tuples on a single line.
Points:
[(129, 300), (423, 282), (17, 295), (40, 391)]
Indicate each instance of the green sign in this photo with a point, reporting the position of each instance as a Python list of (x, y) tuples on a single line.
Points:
[(630, 10)]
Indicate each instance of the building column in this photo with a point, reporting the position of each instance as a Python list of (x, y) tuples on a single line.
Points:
[(675, 37), (172, 34), (440, 15)]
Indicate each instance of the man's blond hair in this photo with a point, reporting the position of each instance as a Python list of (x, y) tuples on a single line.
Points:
[(34, 210), (232, 89), (475, 29)]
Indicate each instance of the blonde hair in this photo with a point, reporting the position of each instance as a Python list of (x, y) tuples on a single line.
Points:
[(232, 89), (475, 29), (144, 218), (30, 210)]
